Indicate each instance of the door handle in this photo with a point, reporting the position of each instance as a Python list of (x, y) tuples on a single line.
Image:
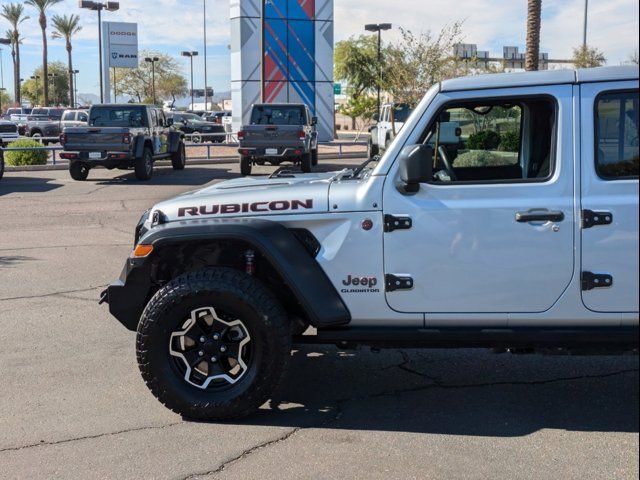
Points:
[(527, 217)]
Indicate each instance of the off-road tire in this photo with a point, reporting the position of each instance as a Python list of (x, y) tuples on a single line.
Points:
[(387, 143), (179, 157), (78, 171), (314, 157), (245, 166), (144, 165), (306, 163), (1, 164), (233, 291), (372, 149)]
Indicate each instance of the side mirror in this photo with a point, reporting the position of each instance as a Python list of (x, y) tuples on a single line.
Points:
[(169, 122), (416, 166), (314, 121), (376, 117)]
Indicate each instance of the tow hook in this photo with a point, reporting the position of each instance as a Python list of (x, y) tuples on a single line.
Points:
[(104, 297)]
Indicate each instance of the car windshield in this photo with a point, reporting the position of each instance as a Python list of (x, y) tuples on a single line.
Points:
[(117, 116), (277, 115), (37, 118), (56, 114), (401, 112), (188, 117)]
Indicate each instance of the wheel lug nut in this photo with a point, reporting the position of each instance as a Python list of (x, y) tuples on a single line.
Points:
[(202, 339), (223, 348), (214, 359), (216, 337), (201, 353)]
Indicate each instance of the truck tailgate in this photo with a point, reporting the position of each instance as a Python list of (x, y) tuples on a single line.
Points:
[(96, 139), (272, 136)]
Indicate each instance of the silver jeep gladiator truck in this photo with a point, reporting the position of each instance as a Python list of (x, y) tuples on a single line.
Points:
[(279, 132), (522, 237), (122, 136)]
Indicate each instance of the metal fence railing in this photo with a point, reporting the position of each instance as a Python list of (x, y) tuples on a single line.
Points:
[(195, 142)]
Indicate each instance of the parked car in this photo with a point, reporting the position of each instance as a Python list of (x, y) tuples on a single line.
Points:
[(217, 117), (1, 159), (8, 131), (74, 118), (18, 111), (52, 113), (21, 121), (278, 133), (391, 119), (123, 136), (197, 127), (42, 126), (526, 241)]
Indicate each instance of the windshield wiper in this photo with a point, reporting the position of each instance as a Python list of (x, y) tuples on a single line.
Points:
[(361, 168)]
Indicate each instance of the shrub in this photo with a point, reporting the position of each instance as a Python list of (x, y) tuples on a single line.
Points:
[(510, 142), (478, 158), (32, 157), (483, 140)]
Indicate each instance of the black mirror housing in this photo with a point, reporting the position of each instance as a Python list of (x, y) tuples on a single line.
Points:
[(416, 166), (314, 121), (376, 117)]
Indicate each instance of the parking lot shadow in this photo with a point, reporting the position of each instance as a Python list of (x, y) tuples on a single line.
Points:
[(11, 261), (13, 184), (191, 176), (471, 393)]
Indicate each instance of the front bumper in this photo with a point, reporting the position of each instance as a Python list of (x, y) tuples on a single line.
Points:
[(128, 296)]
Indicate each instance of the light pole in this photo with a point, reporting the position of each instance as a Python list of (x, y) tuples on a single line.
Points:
[(97, 6), (52, 78), (191, 55), (36, 78), (379, 28), (586, 16), (74, 101), (153, 61), (204, 20)]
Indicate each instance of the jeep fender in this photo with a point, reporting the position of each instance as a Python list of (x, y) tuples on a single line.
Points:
[(140, 142), (374, 135), (284, 252), (174, 139)]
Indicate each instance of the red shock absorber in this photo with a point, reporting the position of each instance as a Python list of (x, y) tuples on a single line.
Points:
[(249, 262)]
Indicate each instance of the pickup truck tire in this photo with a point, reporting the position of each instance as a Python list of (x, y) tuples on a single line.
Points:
[(212, 309), (306, 163), (78, 171), (245, 166), (179, 157), (1, 164), (372, 149), (314, 157), (144, 165)]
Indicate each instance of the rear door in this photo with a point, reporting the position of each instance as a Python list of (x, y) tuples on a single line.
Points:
[(609, 194)]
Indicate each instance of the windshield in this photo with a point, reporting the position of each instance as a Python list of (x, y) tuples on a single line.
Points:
[(401, 112), (277, 115), (120, 116), (187, 117)]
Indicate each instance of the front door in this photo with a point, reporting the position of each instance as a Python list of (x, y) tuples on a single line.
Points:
[(610, 190), (494, 231)]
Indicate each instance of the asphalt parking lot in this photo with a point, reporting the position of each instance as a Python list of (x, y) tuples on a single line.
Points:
[(73, 404)]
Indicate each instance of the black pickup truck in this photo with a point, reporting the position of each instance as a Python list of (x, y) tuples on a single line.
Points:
[(279, 132), (122, 136)]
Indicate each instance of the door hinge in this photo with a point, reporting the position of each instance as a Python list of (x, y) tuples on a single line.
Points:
[(398, 282), (593, 219), (392, 223), (591, 281)]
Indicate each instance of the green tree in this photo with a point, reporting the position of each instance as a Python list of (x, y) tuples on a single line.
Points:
[(14, 14), (363, 106), (137, 82), (587, 57), (5, 100), (356, 64), (66, 27), (172, 85), (59, 83), (42, 6), (534, 15), (420, 61)]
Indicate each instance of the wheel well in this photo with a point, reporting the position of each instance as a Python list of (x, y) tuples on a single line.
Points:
[(172, 261)]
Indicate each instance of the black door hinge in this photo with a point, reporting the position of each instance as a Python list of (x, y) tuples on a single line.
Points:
[(396, 282), (593, 219), (392, 223), (591, 281)]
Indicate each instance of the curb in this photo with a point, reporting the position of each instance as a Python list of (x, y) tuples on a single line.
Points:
[(165, 163)]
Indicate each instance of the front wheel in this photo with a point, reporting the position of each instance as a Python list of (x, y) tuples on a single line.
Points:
[(306, 163), (1, 164), (372, 149), (144, 165), (78, 171), (245, 166), (213, 344), (314, 157), (179, 158)]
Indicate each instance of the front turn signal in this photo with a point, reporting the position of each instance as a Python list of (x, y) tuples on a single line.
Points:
[(142, 251)]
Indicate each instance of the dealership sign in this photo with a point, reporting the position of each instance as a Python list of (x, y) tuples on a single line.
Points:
[(121, 44)]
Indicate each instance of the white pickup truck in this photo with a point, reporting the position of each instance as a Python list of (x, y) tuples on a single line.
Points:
[(504, 215)]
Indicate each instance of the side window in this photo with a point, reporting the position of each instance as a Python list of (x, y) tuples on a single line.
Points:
[(617, 145), (508, 140), (154, 118), (69, 117), (82, 117)]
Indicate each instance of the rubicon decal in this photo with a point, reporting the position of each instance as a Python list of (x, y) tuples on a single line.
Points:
[(365, 284), (236, 208)]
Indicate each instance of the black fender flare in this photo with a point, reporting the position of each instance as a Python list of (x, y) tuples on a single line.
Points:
[(174, 139), (303, 275), (140, 142)]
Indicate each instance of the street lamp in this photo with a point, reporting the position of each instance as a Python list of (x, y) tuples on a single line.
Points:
[(97, 6), (36, 78), (153, 61), (379, 27), (204, 20), (191, 55), (52, 78)]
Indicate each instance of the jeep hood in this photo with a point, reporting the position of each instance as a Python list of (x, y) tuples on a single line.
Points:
[(251, 197)]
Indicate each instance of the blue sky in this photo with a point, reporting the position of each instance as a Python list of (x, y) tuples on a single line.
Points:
[(170, 26)]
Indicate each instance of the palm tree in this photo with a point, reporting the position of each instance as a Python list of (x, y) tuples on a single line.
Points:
[(534, 10), (14, 14), (42, 6), (66, 27)]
